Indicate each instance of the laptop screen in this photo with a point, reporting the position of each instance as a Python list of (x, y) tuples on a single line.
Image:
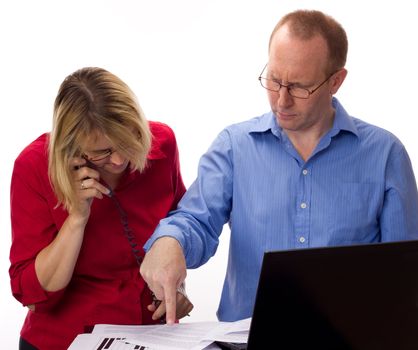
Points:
[(350, 297)]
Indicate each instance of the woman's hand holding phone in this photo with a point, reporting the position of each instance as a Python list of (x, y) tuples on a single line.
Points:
[(86, 179)]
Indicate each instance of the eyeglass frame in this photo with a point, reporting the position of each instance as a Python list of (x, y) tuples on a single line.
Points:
[(108, 152), (289, 87)]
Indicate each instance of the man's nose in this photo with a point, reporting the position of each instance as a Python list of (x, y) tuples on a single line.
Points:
[(284, 99)]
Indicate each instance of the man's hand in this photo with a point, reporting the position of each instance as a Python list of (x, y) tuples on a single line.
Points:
[(164, 269)]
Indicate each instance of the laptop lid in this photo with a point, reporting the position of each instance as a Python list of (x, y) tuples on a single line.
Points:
[(350, 297)]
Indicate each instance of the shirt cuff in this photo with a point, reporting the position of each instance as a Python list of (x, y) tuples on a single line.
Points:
[(33, 293), (167, 231)]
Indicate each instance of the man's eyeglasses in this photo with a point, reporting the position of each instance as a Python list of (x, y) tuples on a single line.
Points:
[(102, 156), (294, 91)]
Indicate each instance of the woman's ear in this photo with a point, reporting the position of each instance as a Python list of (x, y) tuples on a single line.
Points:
[(337, 80)]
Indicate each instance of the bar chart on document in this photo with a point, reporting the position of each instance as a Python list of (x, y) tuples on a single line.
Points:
[(118, 344), (87, 341)]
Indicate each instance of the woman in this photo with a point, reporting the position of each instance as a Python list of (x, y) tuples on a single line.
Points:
[(84, 199)]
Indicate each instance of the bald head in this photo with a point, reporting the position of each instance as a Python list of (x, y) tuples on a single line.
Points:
[(305, 25)]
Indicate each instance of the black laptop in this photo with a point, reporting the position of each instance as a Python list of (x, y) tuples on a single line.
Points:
[(361, 297)]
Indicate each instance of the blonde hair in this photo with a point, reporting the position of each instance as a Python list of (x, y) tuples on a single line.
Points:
[(94, 100), (305, 24)]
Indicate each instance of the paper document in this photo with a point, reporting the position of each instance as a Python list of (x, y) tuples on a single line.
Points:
[(102, 342), (181, 336)]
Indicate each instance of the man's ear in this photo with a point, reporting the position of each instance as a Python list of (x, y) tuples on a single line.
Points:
[(337, 80)]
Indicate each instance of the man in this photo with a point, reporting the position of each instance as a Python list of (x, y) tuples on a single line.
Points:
[(305, 174)]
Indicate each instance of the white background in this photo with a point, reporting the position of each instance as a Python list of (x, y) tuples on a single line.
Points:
[(193, 65)]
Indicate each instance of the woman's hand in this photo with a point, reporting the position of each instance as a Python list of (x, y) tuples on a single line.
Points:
[(86, 179), (183, 307)]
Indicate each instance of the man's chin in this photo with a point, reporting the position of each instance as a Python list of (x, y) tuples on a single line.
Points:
[(287, 123)]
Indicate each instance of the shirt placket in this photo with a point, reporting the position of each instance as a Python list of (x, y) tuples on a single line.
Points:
[(303, 204)]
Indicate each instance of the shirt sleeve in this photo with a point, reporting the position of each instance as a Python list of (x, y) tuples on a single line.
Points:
[(399, 218), (33, 229), (205, 208)]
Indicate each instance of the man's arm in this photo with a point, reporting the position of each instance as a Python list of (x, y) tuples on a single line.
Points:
[(190, 235), (399, 219)]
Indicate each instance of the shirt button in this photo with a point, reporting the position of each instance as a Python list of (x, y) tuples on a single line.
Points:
[(302, 239), (303, 205), (305, 172)]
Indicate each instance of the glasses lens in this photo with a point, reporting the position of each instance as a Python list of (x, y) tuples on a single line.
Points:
[(269, 84), (298, 92), (100, 157), (272, 85)]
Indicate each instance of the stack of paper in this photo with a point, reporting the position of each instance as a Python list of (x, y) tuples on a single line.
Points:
[(181, 336)]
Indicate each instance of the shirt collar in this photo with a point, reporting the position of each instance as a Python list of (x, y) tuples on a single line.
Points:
[(342, 121), (264, 123)]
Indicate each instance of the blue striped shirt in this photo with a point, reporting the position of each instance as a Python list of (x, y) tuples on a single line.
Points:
[(357, 187)]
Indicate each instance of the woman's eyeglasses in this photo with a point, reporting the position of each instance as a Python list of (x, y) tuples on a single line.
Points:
[(100, 157)]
